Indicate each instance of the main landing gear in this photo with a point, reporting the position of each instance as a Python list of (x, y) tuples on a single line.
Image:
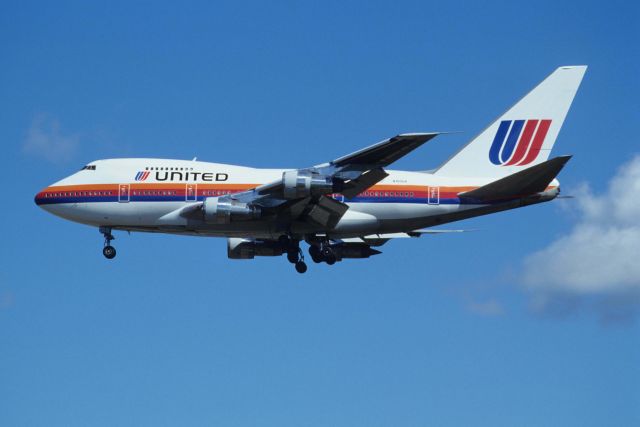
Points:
[(294, 253), (322, 253), (108, 251)]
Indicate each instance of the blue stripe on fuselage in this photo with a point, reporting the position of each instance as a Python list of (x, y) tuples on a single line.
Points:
[(156, 198)]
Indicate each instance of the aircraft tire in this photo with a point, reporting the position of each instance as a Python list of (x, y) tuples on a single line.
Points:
[(301, 267), (326, 252), (109, 252), (315, 253), (292, 257)]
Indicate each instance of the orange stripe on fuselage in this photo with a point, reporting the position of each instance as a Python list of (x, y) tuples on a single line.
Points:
[(241, 187), (444, 191)]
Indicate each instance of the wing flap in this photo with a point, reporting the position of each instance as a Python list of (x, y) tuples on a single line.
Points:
[(327, 212)]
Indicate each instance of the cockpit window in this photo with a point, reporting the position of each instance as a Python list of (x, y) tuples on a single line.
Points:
[(89, 167)]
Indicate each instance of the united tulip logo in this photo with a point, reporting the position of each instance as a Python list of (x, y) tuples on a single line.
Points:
[(142, 175), (518, 142)]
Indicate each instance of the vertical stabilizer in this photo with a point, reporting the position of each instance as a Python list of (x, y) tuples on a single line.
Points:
[(524, 135)]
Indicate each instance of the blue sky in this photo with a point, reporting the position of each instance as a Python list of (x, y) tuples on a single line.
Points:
[(444, 330)]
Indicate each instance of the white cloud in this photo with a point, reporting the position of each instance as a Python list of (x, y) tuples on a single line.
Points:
[(599, 259), (44, 139)]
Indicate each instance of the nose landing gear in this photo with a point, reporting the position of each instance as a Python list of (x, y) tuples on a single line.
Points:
[(108, 251)]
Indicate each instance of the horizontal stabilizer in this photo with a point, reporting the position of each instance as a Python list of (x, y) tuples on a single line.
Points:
[(381, 239), (524, 183)]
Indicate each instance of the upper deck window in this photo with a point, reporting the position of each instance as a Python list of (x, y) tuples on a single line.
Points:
[(89, 167)]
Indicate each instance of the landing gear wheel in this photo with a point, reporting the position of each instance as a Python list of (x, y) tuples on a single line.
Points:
[(293, 256), (315, 253), (327, 255), (326, 252), (109, 252), (301, 267)]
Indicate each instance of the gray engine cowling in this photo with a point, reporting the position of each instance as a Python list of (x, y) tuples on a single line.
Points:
[(298, 184), (224, 210), (238, 248)]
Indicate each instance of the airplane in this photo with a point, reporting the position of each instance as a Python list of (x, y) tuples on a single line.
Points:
[(342, 209)]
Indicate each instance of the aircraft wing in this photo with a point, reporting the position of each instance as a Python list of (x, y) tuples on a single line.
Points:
[(304, 193), (385, 152), (364, 168)]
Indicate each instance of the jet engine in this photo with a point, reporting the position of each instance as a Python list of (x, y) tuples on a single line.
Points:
[(238, 248), (298, 184), (224, 210)]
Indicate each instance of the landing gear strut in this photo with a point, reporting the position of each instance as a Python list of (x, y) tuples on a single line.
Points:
[(108, 251), (294, 253)]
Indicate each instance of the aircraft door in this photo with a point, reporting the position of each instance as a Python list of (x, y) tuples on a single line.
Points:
[(191, 192), (123, 193), (433, 195)]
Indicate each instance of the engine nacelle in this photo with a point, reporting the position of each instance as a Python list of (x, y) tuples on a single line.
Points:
[(353, 250), (298, 184), (238, 248), (224, 210)]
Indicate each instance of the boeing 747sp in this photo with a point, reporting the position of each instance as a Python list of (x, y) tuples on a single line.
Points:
[(342, 209)]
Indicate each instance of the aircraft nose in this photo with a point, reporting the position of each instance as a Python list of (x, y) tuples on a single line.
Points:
[(40, 198)]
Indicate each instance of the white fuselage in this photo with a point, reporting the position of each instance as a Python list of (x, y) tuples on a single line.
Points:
[(151, 195)]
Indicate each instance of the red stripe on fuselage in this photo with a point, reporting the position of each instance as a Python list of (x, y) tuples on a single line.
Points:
[(214, 190)]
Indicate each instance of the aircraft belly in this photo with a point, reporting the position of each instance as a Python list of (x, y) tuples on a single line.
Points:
[(113, 213), (400, 217), (357, 222)]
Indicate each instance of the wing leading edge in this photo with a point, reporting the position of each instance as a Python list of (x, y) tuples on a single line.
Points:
[(385, 152)]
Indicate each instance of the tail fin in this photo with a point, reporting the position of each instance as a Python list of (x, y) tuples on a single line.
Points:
[(524, 135)]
